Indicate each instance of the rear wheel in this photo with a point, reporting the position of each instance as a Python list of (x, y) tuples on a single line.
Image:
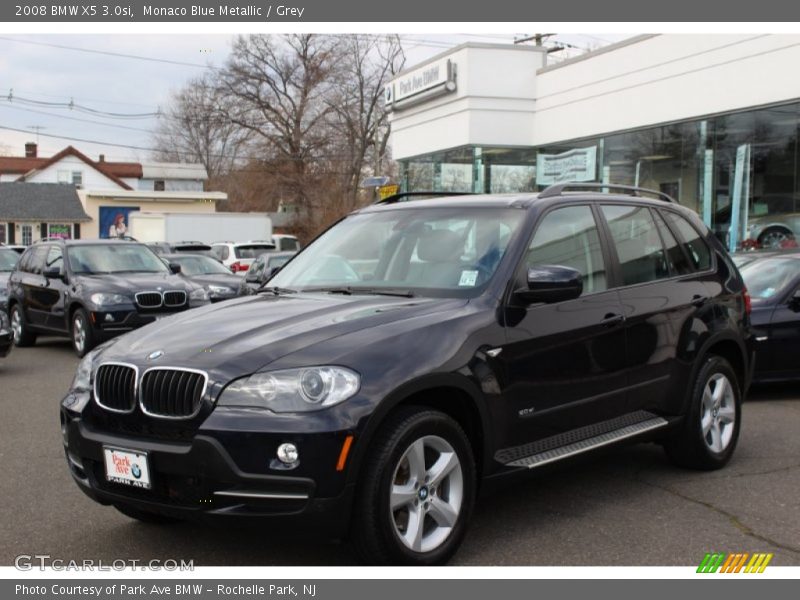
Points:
[(708, 435), (417, 492), (83, 338), (19, 328)]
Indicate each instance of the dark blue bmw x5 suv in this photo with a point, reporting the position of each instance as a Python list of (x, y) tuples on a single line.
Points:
[(418, 350)]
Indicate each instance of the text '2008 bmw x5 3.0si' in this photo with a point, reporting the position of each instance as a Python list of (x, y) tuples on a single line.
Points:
[(414, 351)]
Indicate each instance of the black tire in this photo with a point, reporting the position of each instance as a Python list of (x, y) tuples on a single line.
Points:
[(85, 343), (375, 532), (145, 516), (772, 237), (23, 336), (689, 447)]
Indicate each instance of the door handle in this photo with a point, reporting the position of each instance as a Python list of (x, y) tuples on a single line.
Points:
[(612, 319), (698, 300)]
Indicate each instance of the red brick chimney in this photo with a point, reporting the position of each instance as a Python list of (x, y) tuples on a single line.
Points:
[(102, 158), (30, 150)]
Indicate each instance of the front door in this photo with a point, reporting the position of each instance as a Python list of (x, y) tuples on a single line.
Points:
[(564, 362)]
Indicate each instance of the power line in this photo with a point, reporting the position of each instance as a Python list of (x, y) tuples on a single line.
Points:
[(72, 105), (48, 114)]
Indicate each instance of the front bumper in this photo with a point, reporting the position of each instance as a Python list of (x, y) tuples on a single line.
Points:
[(216, 474), (108, 322)]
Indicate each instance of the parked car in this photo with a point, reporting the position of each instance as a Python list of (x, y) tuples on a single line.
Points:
[(491, 335), (8, 259), (774, 231), (5, 335), (93, 290), (286, 243), (740, 259), (774, 285), (239, 256), (16, 248), (264, 267), (208, 272)]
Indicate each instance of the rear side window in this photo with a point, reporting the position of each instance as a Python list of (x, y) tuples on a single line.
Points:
[(696, 247), (252, 251), (678, 261), (288, 244), (568, 237), (638, 243)]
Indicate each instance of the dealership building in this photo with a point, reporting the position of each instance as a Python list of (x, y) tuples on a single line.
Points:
[(711, 120)]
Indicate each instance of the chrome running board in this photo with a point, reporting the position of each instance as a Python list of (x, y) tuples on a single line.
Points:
[(590, 443)]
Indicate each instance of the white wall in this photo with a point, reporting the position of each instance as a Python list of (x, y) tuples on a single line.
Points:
[(492, 105), (92, 178), (664, 78)]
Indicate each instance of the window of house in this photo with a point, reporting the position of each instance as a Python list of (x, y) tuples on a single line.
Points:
[(77, 178), (27, 234), (159, 185)]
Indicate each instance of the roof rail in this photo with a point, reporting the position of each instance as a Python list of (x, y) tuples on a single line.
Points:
[(395, 198), (559, 188)]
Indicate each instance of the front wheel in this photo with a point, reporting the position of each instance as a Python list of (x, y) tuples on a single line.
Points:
[(417, 492), (83, 338), (707, 437)]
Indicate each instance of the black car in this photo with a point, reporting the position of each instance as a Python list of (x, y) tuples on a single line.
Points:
[(264, 267), (8, 259), (217, 279), (774, 285), (92, 290), (414, 352)]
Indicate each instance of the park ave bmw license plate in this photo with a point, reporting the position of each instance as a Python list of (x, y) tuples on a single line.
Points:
[(128, 467)]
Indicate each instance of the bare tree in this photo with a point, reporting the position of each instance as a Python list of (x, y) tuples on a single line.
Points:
[(196, 129)]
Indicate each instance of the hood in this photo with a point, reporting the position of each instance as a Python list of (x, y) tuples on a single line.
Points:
[(241, 336), (130, 283)]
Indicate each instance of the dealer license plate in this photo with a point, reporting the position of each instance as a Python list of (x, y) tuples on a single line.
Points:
[(128, 467)]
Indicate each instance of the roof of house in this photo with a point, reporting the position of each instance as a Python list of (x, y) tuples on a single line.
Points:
[(99, 166), (20, 165), (40, 202)]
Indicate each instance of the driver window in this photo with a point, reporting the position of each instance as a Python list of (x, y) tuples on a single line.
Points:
[(568, 237), (55, 259)]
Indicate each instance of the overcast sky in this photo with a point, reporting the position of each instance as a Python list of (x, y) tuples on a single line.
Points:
[(35, 71)]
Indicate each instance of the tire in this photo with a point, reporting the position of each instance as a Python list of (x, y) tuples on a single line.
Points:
[(144, 516), (385, 536), (708, 434), (773, 237), (82, 333), (22, 335)]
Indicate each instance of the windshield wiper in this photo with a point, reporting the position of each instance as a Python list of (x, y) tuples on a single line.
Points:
[(349, 291), (277, 291)]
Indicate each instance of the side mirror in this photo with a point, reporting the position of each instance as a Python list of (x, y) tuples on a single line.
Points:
[(175, 268), (551, 283), (271, 272), (53, 273)]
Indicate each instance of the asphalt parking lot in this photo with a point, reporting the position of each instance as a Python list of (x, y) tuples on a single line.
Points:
[(627, 506)]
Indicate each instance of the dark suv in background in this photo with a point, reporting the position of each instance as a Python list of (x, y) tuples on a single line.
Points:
[(414, 352), (93, 290)]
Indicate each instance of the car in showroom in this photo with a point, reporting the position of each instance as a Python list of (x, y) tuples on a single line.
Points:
[(264, 267), (216, 278), (92, 290), (416, 351), (774, 285), (238, 256), (8, 259)]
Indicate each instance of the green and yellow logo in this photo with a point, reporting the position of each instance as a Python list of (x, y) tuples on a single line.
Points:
[(719, 562)]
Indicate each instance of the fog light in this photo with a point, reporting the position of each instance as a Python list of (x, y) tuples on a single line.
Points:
[(109, 318), (287, 453)]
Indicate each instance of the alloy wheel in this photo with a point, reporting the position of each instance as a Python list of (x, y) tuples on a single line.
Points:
[(16, 325), (427, 494), (718, 413), (79, 333)]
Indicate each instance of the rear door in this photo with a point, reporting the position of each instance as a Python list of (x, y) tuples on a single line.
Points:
[(53, 295), (565, 361), (660, 294), (32, 283)]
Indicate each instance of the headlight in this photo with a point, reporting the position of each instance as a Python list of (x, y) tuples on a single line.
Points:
[(293, 390), (220, 290), (109, 299), (80, 391), (198, 295)]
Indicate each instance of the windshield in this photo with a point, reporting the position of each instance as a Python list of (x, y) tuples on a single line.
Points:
[(8, 258), (252, 250), (435, 251), (199, 265), (768, 277), (114, 258)]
